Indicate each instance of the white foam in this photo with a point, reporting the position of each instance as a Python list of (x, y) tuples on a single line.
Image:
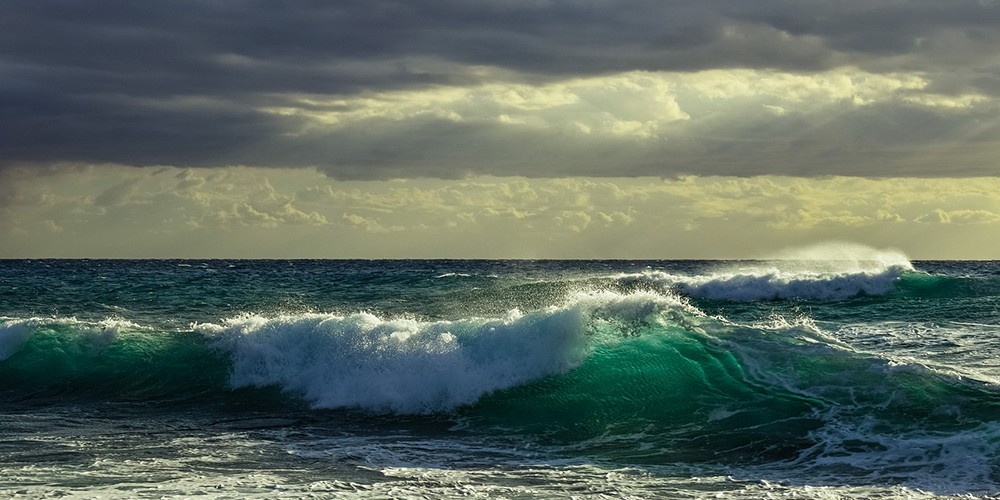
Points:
[(405, 365), (454, 275), (827, 271), (946, 463)]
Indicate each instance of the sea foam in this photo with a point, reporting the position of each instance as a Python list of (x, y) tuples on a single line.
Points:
[(405, 365), (821, 272)]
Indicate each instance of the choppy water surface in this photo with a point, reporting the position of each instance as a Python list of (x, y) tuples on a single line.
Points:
[(856, 374)]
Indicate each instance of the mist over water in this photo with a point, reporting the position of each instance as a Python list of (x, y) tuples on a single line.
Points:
[(836, 370), (833, 270), (844, 255)]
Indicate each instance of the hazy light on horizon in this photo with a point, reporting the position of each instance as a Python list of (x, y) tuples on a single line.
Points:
[(119, 211)]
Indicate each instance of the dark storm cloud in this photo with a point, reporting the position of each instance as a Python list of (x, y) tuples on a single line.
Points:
[(183, 82)]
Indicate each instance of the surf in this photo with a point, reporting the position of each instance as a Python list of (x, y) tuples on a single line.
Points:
[(405, 365), (827, 271)]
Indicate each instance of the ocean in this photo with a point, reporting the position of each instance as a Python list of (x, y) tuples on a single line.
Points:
[(851, 374)]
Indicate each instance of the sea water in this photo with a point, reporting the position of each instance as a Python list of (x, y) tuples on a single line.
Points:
[(853, 373)]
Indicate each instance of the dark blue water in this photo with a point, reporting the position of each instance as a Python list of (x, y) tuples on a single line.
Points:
[(848, 376)]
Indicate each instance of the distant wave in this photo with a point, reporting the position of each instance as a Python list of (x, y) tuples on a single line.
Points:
[(832, 271), (774, 283)]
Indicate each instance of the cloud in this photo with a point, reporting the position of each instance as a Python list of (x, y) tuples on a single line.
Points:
[(960, 217), (719, 122), (117, 194), (255, 212), (524, 88)]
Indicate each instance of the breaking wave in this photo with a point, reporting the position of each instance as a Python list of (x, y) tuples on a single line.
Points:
[(823, 272)]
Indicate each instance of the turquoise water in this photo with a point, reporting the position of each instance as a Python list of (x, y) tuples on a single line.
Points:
[(857, 375)]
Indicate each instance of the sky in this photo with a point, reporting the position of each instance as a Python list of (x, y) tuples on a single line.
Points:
[(498, 128)]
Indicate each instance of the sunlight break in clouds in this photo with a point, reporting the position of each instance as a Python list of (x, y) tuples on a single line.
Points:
[(729, 122), (712, 128)]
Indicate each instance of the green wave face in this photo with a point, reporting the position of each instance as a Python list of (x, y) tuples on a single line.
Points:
[(70, 358), (635, 378), (715, 392)]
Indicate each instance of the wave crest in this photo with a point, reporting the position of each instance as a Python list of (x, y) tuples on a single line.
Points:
[(405, 365), (774, 283), (822, 272)]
